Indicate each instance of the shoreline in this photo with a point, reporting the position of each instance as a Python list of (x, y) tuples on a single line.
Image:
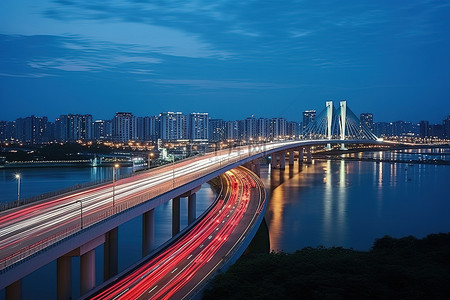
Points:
[(61, 164)]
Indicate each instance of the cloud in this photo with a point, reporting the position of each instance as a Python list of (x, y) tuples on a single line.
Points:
[(219, 84), (137, 25), (245, 32), (31, 75), (300, 33), (65, 64)]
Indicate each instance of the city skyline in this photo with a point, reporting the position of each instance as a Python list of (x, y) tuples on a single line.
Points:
[(229, 59), (201, 127), (298, 118)]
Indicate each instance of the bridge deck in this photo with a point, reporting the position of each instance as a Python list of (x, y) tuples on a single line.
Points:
[(35, 234)]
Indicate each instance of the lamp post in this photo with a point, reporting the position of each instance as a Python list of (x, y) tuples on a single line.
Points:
[(116, 166), (150, 160), (18, 188)]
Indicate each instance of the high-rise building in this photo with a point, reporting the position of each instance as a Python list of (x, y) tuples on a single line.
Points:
[(198, 126), (124, 128), (424, 129), (242, 134), (217, 130), (151, 128), (139, 129), (382, 129), (446, 124), (102, 130), (31, 130), (4, 131), (278, 128), (250, 128), (231, 130), (71, 128), (293, 129), (7, 131), (437, 131), (308, 117), (263, 128), (173, 126), (367, 119)]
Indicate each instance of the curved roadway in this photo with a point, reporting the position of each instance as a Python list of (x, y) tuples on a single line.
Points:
[(188, 262)]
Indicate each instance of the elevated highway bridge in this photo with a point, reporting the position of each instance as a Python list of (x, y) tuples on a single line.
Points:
[(74, 224)]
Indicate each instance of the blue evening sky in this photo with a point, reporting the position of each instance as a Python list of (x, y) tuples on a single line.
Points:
[(232, 59)]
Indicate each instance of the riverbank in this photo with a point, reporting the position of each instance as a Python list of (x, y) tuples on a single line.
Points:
[(405, 268)]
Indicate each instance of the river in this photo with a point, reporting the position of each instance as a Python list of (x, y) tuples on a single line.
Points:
[(350, 203), (328, 203)]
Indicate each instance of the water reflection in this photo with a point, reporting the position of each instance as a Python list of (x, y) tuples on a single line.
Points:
[(350, 203), (327, 202), (342, 200), (275, 218)]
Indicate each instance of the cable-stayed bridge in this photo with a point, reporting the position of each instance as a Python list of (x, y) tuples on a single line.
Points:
[(338, 123)]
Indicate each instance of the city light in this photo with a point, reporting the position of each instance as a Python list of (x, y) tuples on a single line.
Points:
[(18, 188), (116, 166)]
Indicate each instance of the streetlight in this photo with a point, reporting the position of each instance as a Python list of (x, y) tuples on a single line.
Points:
[(116, 166), (18, 188), (150, 159)]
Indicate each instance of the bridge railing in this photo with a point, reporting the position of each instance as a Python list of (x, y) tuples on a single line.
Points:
[(48, 195)]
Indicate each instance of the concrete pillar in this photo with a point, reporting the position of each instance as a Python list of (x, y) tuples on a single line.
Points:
[(273, 161), (192, 206), (291, 157), (14, 290), (148, 232), (300, 155), (64, 277), (308, 155), (175, 216), (87, 271), (257, 170), (111, 254), (283, 160)]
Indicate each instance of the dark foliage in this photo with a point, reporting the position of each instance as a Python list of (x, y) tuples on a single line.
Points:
[(406, 268), (68, 151)]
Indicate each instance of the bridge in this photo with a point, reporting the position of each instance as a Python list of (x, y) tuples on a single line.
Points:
[(74, 224)]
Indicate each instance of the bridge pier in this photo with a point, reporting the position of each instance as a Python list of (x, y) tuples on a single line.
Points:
[(14, 290), (300, 155), (87, 268), (291, 157), (64, 278), (148, 231), (192, 206), (308, 155), (283, 160), (279, 160), (175, 216), (273, 161), (253, 166), (111, 254), (87, 271)]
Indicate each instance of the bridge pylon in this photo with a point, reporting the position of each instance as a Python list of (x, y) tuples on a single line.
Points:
[(329, 107), (340, 124)]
